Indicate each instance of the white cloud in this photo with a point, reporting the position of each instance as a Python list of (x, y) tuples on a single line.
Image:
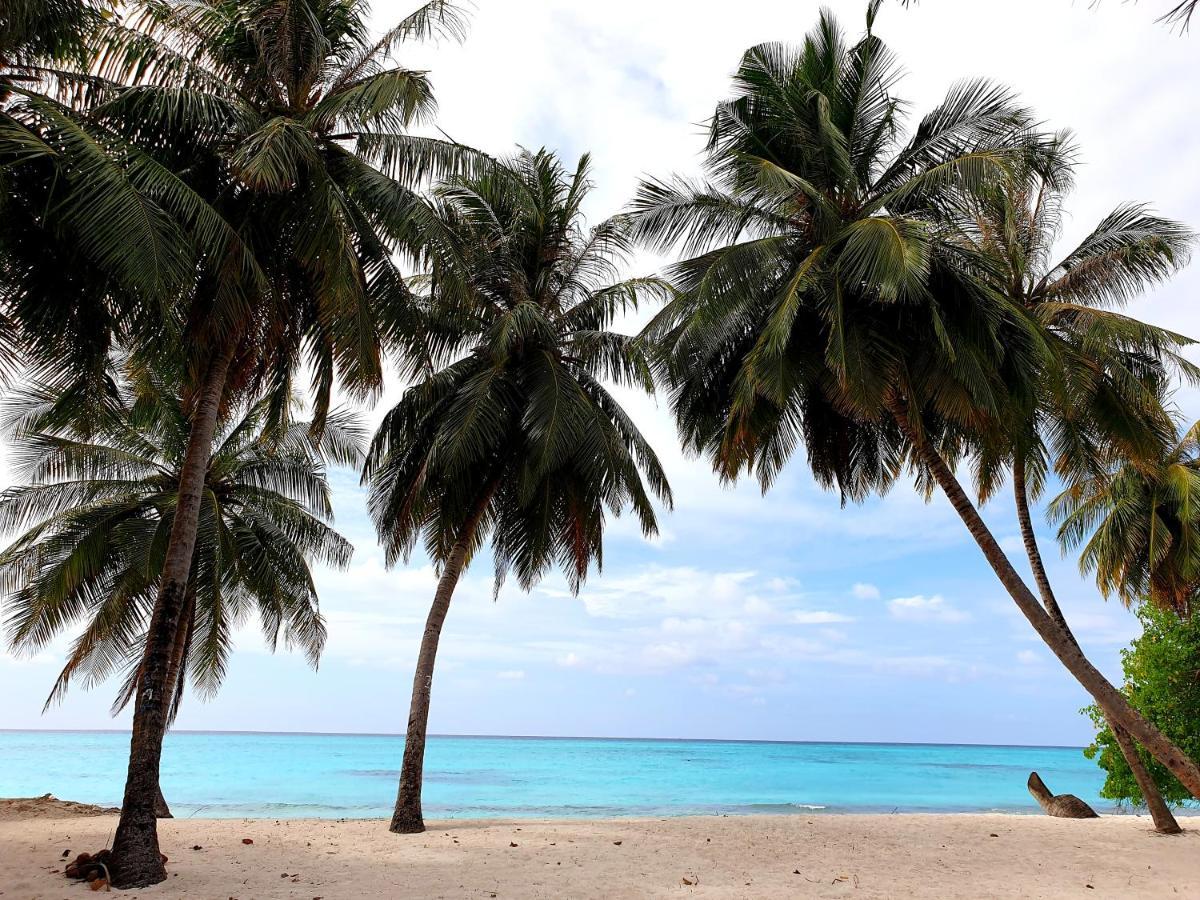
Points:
[(511, 675), (658, 590), (920, 608), (1013, 546), (914, 665), (818, 617), (757, 607), (41, 658), (928, 666), (670, 655), (865, 591), (1027, 657)]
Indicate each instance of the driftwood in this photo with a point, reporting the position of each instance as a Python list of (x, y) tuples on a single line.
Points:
[(1064, 806)]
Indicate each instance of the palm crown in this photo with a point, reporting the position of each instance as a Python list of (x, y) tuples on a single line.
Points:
[(517, 431), (1104, 374), (291, 121), (1139, 526), (95, 513), (824, 284), (98, 240)]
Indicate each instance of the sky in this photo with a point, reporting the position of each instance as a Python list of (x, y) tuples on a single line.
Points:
[(782, 617)]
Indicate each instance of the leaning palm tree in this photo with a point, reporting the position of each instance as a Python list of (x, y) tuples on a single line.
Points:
[(1100, 394), (94, 511), (515, 437), (825, 303), (1138, 525), (287, 117), (100, 241)]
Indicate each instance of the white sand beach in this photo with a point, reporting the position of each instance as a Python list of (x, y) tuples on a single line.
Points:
[(859, 856)]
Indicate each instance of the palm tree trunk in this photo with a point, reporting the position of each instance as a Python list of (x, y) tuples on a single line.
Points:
[(1068, 653), (183, 642), (1160, 813), (408, 818), (136, 858), (161, 809), (175, 682), (178, 650)]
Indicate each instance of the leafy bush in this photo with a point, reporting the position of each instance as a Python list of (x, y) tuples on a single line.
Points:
[(1162, 681)]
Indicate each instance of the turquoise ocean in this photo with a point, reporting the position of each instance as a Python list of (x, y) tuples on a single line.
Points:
[(256, 775)]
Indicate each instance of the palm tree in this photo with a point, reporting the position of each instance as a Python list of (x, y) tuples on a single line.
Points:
[(825, 302), (1143, 544), (288, 118), (93, 517), (1101, 393), (99, 240), (516, 436), (1139, 526)]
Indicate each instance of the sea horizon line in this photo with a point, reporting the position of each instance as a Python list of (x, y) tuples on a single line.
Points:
[(552, 737)]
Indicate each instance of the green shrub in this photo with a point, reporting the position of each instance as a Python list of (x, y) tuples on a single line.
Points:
[(1162, 681)]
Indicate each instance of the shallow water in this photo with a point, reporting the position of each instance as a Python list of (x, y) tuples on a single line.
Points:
[(332, 776)]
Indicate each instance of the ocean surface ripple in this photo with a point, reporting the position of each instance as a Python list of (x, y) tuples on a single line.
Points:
[(252, 775)]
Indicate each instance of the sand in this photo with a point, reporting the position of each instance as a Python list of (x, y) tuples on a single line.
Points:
[(858, 856), (48, 806)]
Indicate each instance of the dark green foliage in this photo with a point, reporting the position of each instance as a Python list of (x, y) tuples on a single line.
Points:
[(825, 279), (93, 517), (1104, 375), (1138, 523), (1162, 681), (289, 119), (34, 31), (519, 307), (218, 169)]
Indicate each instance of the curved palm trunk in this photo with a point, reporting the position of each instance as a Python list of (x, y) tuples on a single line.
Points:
[(175, 679), (407, 818), (183, 642), (1160, 813), (136, 858), (1068, 653), (178, 651)]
